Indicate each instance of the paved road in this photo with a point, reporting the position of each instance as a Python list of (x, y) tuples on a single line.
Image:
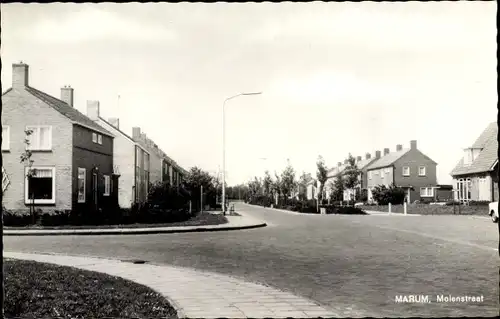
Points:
[(356, 265)]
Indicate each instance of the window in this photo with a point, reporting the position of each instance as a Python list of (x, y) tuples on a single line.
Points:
[(406, 171), (369, 174), (82, 176), (421, 171), (426, 192), (41, 187), (94, 137), (5, 138), (387, 170), (99, 139), (107, 185), (382, 173), (40, 139)]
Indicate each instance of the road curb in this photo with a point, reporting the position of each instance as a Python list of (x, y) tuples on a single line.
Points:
[(132, 231)]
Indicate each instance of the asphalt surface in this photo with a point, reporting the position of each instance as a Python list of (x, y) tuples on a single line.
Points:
[(356, 265)]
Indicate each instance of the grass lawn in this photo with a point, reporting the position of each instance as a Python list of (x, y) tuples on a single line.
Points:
[(201, 219), (39, 290)]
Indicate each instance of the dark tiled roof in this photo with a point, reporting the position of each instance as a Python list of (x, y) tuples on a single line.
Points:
[(387, 160), (364, 163), (67, 110), (116, 129), (487, 141)]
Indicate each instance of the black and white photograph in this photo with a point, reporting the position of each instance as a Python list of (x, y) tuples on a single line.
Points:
[(249, 160)]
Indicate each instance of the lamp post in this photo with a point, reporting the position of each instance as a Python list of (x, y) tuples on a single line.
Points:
[(224, 145)]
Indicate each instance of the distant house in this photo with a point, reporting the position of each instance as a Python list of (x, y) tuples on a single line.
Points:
[(131, 160), (475, 177), (312, 189), (332, 174), (163, 168), (73, 155), (409, 169), (361, 164)]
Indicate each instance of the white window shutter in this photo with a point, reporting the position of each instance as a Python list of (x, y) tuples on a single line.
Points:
[(5, 180)]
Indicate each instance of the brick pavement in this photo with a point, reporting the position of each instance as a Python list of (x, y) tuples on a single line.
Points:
[(197, 294)]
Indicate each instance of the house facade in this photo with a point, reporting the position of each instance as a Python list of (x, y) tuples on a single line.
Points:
[(73, 156), (475, 177), (409, 169), (162, 167), (130, 159)]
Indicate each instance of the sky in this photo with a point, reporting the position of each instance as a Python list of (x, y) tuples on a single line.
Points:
[(336, 78)]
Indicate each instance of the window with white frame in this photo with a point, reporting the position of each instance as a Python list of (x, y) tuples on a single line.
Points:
[(82, 181), (99, 139), (107, 185), (94, 137), (421, 171), (41, 187), (406, 170), (382, 173), (387, 170), (426, 192), (5, 138), (40, 138), (369, 174)]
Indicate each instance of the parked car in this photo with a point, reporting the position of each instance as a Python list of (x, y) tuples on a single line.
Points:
[(493, 211)]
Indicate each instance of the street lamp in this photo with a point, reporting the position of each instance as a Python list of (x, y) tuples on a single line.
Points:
[(224, 145)]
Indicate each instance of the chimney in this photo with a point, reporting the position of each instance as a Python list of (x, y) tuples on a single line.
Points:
[(346, 161), (368, 156), (358, 159), (136, 133), (93, 110), (115, 122), (377, 154), (20, 74), (67, 95), (339, 164), (399, 147), (413, 144), (386, 151)]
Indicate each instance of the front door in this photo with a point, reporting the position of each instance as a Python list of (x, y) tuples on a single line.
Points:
[(95, 189), (408, 196)]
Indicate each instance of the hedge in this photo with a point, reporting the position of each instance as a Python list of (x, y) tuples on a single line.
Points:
[(425, 209)]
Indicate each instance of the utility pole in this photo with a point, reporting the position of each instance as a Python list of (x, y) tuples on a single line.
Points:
[(201, 199)]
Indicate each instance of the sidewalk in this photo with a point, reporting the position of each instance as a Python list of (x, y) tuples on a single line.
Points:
[(379, 213), (234, 223), (197, 294)]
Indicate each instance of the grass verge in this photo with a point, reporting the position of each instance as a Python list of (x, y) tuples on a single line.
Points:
[(201, 219), (40, 290)]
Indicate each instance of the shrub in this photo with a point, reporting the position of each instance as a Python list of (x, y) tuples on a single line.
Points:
[(394, 195), (479, 203), (345, 210), (16, 218)]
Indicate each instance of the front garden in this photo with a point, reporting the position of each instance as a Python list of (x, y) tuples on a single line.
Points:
[(165, 206), (40, 290)]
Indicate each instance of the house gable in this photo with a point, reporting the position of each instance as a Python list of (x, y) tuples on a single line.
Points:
[(487, 157), (414, 159)]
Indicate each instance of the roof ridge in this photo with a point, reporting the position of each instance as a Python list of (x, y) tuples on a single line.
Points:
[(71, 113)]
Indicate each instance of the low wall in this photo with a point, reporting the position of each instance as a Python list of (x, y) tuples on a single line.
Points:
[(423, 209)]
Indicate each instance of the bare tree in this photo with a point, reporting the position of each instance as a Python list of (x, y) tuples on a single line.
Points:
[(28, 161)]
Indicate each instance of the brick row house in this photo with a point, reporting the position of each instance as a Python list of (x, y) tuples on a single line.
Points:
[(139, 162), (475, 177), (73, 156), (407, 168), (81, 161)]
